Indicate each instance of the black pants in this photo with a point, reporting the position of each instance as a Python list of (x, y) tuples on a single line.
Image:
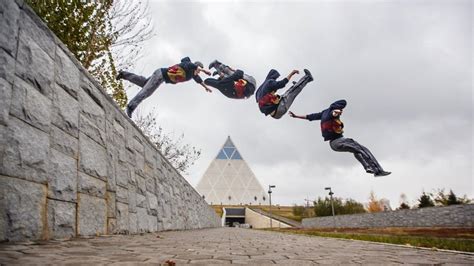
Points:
[(361, 153)]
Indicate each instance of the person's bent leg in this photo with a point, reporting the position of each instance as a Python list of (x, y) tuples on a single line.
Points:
[(133, 78), (375, 164), (281, 109), (290, 95), (308, 77), (352, 146), (368, 157), (364, 163), (153, 83), (224, 69)]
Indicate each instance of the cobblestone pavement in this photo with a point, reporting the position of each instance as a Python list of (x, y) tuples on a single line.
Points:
[(221, 246)]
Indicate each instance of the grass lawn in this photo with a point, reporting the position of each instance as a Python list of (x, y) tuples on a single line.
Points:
[(441, 238)]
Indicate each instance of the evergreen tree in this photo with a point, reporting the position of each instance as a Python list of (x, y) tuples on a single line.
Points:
[(404, 206), (403, 202), (425, 201), (452, 199), (444, 199)]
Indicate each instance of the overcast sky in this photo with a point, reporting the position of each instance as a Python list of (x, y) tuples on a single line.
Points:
[(404, 67)]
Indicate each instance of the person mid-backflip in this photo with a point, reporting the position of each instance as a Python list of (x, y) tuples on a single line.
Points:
[(181, 72), (269, 102), (232, 83), (332, 129)]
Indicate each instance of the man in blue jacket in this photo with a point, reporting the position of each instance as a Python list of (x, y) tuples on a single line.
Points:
[(181, 72), (332, 129), (269, 102), (232, 83)]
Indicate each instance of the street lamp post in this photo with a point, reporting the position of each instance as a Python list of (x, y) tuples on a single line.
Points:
[(270, 200), (332, 204), (306, 210)]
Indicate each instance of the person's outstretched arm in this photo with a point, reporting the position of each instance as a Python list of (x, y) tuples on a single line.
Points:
[(296, 116), (282, 83), (205, 87), (198, 79), (207, 72), (292, 73), (310, 117)]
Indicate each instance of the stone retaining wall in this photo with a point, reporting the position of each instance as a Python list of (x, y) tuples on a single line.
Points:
[(450, 216), (71, 162)]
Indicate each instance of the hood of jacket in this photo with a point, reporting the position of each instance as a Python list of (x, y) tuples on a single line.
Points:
[(338, 105), (273, 74)]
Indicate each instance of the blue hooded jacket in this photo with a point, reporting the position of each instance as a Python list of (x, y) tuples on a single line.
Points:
[(268, 86), (331, 127), (226, 85), (188, 68)]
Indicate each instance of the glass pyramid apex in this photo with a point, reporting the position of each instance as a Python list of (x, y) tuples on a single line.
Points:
[(229, 151), (228, 143)]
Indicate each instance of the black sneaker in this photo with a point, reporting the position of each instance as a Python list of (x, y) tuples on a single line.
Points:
[(369, 171), (129, 111), (308, 74), (383, 173), (119, 76)]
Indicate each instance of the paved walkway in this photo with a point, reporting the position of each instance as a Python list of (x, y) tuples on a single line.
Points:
[(222, 246)]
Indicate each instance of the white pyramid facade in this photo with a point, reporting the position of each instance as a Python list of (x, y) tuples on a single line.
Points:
[(229, 181)]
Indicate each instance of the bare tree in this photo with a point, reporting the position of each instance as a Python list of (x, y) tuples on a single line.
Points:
[(374, 204), (131, 23), (179, 154)]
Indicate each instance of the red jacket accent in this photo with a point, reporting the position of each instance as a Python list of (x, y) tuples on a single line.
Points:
[(335, 125), (269, 99), (239, 87), (176, 74)]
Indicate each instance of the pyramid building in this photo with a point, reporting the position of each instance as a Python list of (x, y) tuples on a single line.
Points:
[(229, 181)]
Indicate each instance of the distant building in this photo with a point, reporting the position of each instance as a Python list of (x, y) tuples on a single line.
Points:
[(229, 181)]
